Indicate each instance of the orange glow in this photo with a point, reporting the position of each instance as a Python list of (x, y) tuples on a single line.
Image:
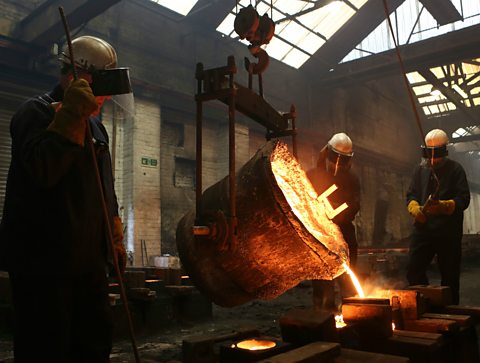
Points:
[(254, 344), (355, 281), (393, 325), (152, 280), (311, 211), (339, 323), (185, 277)]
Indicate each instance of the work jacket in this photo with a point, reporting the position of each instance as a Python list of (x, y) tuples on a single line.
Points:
[(52, 220), (452, 185)]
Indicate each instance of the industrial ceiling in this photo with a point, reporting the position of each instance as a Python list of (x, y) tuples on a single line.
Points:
[(341, 42)]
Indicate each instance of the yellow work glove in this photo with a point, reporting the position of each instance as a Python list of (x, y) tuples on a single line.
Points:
[(78, 104), (415, 211), (441, 207), (118, 243)]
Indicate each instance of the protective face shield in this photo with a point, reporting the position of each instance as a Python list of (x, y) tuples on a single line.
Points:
[(435, 149), (339, 153), (99, 59)]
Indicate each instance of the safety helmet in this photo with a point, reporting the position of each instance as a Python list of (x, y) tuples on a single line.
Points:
[(97, 57), (435, 144), (339, 153), (341, 144), (91, 53)]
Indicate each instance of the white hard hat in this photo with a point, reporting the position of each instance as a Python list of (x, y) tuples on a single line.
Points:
[(91, 53), (435, 144), (98, 58), (436, 138), (339, 153), (341, 144)]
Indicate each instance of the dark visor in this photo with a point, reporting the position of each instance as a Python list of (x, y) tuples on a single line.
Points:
[(335, 157), (110, 82), (434, 152)]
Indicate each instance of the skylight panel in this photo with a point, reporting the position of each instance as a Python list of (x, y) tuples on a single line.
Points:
[(311, 43), (277, 48), (293, 33), (336, 14), (295, 58), (179, 6), (226, 27), (413, 24)]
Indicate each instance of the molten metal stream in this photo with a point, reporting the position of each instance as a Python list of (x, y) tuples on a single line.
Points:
[(355, 281)]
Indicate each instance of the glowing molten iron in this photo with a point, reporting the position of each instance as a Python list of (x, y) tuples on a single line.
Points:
[(355, 281), (311, 210), (339, 323), (254, 344)]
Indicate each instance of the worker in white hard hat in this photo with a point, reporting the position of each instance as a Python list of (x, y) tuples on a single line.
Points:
[(334, 167), (53, 236), (437, 196)]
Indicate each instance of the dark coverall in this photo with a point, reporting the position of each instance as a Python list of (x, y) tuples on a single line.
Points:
[(53, 240), (348, 192), (440, 235)]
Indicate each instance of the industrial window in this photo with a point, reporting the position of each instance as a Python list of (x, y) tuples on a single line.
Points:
[(184, 176), (179, 6), (301, 27), (441, 90), (412, 22)]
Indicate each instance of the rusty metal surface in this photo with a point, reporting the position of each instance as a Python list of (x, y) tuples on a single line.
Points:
[(275, 251)]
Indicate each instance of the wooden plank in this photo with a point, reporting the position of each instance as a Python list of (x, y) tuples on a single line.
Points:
[(431, 325), (356, 356), (462, 320), (419, 350), (419, 335), (473, 311), (318, 352)]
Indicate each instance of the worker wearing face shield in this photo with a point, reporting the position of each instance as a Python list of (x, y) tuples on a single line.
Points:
[(53, 236), (437, 196), (334, 167)]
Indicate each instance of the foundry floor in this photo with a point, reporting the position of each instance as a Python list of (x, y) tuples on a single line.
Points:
[(166, 344)]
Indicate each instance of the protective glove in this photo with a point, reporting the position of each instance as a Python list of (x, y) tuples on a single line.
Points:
[(440, 207), (415, 211), (78, 104), (118, 243)]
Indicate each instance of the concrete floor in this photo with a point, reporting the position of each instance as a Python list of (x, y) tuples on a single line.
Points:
[(262, 315)]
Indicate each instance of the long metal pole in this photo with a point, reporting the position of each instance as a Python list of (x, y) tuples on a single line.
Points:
[(410, 93), (102, 199)]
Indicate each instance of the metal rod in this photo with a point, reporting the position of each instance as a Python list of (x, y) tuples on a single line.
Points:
[(231, 159), (294, 133), (69, 42), (198, 152), (410, 93), (91, 148)]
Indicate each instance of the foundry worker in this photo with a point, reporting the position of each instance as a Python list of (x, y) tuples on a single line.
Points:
[(334, 167), (437, 196), (53, 235)]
